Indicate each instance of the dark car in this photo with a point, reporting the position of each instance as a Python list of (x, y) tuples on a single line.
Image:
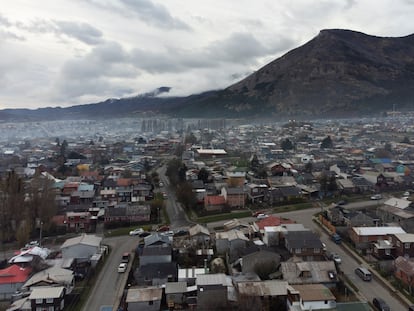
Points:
[(380, 304), (181, 233), (342, 202)]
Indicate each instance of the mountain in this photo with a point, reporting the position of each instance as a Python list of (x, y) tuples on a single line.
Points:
[(339, 73)]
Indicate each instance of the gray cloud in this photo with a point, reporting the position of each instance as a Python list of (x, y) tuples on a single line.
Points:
[(4, 21), (146, 10), (81, 31)]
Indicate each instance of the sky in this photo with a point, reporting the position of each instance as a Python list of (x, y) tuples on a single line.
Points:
[(72, 52)]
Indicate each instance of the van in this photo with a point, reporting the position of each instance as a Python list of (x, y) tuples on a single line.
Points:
[(380, 304), (363, 273), (125, 257)]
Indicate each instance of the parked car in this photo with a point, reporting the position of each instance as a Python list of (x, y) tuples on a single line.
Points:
[(380, 304), (336, 238), (342, 202), (125, 257), (122, 267), (262, 216), (181, 233), (163, 228), (335, 257), (376, 197), (255, 214), (136, 231)]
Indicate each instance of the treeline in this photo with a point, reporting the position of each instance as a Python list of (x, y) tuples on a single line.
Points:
[(26, 207)]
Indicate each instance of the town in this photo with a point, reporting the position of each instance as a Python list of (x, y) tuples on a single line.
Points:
[(176, 214)]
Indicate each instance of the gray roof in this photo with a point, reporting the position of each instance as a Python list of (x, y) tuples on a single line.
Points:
[(303, 239), (156, 238), (156, 251), (143, 294), (175, 287), (84, 239), (53, 275), (211, 279), (45, 292), (263, 288), (308, 272)]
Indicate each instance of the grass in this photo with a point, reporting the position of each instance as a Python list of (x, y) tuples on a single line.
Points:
[(226, 216)]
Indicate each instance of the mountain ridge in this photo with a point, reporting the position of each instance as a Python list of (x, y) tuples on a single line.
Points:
[(338, 73)]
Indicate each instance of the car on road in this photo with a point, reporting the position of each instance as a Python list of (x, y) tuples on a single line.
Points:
[(255, 214), (136, 231), (125, 257), (342, 202), (262, 216), (165, 195), (122, 267), (335, 257), (336, 238), (380, 304), (376, 197)]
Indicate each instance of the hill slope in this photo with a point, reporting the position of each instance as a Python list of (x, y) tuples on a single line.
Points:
[(339, 73)]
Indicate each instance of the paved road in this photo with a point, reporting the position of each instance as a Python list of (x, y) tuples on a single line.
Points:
[(110, 283), (178, 218)]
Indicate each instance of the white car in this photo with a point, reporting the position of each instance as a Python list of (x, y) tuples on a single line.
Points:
[(122, 267), (336, 258), (262, 216), (136, 231), (376, 197)]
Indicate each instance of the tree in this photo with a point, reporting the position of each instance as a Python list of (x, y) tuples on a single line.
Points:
[(203, 175), (327, 143), (287, 144), (186, 196), (308, 167), (254, 163), (190, 139), (405, 140)]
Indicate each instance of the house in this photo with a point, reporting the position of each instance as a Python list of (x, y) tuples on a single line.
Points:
[(358, 219), (78, 221), (12, 279), (256, 192), (156, 274), (230, 241), (144, 299), (129, 213), (310, 297), (157, 240), (310, 272), (363, 237), (175, 293), (212, 291), (81, 247), (304, 244), (404, 270), (47, 298), (28, 255), (403, 244), (214, 202), (53, 276), (260, 260), (234, 196), (159, 254), (199, 235), (257, 295)]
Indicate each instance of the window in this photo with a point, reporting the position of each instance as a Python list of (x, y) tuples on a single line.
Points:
[(316, 250), (51, 308), (298, 250), (398, 243), (406, 245), (150, 302), (49, 300), (38, 301)]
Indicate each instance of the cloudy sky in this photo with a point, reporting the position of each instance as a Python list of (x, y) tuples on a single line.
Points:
[(71, 52)]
